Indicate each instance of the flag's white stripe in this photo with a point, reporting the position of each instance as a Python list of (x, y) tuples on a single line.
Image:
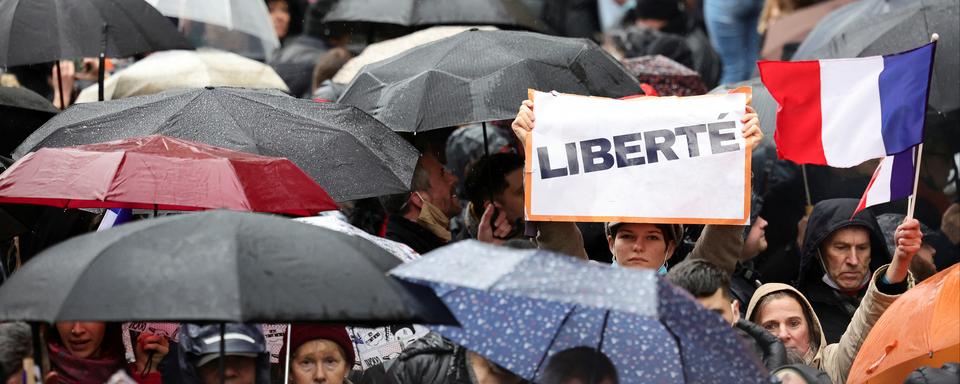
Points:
[(108, 219), (879, 191), (850, 110)]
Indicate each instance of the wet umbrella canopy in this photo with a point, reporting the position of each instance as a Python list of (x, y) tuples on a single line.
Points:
[(349, 153), (906, 29), (178, 69), (478, 76), (239, 26), (518, 308), (420, 13), (216, 266), (159, 172), (37, 31)]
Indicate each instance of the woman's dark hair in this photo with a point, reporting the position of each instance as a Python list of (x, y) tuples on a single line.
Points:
[(582, 363)]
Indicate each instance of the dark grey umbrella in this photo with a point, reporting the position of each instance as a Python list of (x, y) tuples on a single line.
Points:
[(905, 29), (37, 31), (350, 154), (859, 13), (423, 13), (21, 112), (478, 76), (216, 266)]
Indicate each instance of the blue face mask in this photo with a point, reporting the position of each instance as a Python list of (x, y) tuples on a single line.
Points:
[(662, 271)]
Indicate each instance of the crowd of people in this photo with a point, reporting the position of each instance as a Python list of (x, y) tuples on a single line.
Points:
[(802, 285)]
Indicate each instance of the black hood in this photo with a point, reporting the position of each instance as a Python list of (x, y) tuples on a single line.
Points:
[(193, 346), (431, 343), (829, 216)]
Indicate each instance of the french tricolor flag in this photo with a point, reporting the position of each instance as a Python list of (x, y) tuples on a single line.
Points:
[(842, 112), (893, 180), (114, 217)]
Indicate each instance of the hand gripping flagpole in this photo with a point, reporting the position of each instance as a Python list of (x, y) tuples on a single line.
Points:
[(912, 202)]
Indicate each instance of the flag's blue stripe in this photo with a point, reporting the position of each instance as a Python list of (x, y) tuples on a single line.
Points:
[(901, 176), (903, 97)]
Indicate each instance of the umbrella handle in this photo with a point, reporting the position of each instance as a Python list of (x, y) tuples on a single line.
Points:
[(223, 349), (103, 59)]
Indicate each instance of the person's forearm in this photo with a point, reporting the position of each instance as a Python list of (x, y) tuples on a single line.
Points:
[(897, 271)]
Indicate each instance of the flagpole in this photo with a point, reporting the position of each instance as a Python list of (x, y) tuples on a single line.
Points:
[(806, 187), (912, 202)]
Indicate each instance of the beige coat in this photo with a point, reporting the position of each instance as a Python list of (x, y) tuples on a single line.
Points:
[(836, 359)]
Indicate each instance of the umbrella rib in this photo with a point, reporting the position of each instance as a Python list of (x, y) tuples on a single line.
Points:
[(292, 113), (234, 119), (554, 339)]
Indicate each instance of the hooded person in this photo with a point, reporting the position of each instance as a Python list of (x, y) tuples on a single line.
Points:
[(785, 312), (840, 253), (247, 360)]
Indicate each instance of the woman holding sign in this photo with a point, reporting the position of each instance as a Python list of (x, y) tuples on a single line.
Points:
[(650, 246)]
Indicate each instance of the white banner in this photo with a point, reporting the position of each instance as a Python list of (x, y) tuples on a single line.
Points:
[(645, 160)]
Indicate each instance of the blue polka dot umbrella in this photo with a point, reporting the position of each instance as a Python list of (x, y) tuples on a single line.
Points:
[(520, 307)]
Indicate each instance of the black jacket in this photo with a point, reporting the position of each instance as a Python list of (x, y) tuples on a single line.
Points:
[(431, 360), (834, 308), (415, 236)]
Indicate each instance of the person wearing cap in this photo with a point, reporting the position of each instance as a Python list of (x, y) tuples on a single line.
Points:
[(245, 354), (319, 354), (650, 246)]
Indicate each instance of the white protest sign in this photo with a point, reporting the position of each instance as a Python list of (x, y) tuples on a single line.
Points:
[(646, 160)]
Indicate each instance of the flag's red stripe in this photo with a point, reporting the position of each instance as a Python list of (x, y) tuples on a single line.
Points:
[(863, 200), (796, 87)]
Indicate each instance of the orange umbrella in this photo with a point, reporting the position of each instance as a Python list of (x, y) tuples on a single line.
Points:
[(921, 328)]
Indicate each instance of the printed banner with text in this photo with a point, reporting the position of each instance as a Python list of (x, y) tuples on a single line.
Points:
[(652, 160)]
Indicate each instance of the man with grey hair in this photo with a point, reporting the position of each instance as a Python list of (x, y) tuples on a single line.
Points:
[(421, 217), (15, 345)]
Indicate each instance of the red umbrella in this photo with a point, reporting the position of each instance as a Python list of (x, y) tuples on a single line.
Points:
[(159, 172), (667, 77)]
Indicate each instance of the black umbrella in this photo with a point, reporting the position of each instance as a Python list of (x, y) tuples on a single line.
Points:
[(216, 266), (859, 13), (47, 30), (40, 31), (21, 112), (906, 29), (350, 154), (479, 76), (422, 13)]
